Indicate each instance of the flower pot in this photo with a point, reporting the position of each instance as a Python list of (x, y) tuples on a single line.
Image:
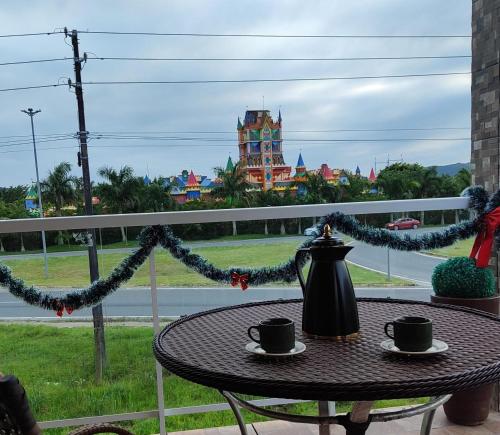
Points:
[(470, 407)]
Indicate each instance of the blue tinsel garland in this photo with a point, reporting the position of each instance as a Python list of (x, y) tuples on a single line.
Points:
[(163, 235)]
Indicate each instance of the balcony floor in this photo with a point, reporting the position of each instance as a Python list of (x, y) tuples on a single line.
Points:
[(407, 426)]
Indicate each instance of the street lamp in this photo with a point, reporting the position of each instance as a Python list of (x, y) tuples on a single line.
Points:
[(31, 113)]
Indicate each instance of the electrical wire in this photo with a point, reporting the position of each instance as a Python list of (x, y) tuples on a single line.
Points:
[(178, 82), (17, 35), (97, 133), (272, 59), (8, 145), (22, 62), (38, 149), (299, 79), (285, 131), (262, 35), (116, 137), (23, 88)]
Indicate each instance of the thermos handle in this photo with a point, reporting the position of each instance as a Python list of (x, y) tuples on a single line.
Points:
[(299, 269)]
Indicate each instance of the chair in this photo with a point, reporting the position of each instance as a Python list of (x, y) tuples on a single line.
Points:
[(16, 417)]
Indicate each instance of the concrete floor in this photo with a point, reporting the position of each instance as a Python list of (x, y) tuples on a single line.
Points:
[(407, 426)]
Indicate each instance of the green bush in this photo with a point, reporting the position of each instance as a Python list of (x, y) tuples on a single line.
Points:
[(459, 277)]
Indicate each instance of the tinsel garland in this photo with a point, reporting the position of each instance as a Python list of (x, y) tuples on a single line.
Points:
[(163, 235)]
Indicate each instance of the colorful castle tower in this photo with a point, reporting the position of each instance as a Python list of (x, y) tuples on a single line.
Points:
[(192, 187), (300, 176), (260, 150)]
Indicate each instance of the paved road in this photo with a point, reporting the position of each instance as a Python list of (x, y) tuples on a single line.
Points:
[(409, 265), (180, 301)]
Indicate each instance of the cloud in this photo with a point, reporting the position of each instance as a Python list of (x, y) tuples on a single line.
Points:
[(322, 105)]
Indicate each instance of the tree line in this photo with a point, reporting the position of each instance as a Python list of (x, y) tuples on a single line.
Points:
[(122, 191)]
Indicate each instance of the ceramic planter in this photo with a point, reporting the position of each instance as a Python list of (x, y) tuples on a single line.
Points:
[(470, 407)]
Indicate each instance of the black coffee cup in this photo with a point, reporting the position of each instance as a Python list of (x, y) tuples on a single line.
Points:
[(412, 334), (276, 335)]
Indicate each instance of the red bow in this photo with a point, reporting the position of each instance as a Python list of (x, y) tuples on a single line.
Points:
[(61, 308), (481, 251), (236, 279)]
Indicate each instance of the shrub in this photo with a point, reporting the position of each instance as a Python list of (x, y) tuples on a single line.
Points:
[(459, 277)]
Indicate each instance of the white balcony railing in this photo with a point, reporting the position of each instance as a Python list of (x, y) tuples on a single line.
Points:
[(206, 216)]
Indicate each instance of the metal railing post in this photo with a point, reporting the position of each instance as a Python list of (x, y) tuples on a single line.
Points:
[(156, 327), (388, 264)]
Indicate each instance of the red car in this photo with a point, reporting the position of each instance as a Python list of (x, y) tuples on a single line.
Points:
[(403, 224)]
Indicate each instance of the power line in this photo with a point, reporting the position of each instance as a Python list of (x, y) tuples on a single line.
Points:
[(239, 59), (211, 139), (263, 35), (299, 79), (230, 145), (23, 88), (13, 144), (192, 82), (286, 131), (22, 62), (272, 59), (21, 136), (210, 145), (17, 35), (39, 149), (94, 133)]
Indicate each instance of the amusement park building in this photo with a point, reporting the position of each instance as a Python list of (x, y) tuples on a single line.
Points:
[(260, 147)]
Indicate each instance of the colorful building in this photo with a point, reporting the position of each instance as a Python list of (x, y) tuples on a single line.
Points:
[(190, 187), (31, 198), (260, 150)]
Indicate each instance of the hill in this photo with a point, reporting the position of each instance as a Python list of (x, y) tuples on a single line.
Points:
[(451, 169)]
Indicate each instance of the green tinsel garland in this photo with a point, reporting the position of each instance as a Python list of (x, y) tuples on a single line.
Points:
[(163, 235)]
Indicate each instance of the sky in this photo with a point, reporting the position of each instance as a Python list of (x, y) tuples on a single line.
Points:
[(194, 125)]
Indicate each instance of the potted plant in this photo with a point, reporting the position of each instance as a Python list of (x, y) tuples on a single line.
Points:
[(458, 281)]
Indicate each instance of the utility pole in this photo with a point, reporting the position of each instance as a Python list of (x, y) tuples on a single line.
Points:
[(83, 160), (31, 113)]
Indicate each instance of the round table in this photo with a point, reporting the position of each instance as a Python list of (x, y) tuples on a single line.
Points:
[(209, 348)]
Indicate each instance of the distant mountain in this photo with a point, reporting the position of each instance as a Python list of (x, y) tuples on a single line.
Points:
[(451, 169)]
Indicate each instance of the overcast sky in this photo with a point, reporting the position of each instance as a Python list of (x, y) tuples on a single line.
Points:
[(420, 102)]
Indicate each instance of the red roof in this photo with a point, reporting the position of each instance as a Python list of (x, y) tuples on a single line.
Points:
[(372, 176), (192, 179), (326, 172)]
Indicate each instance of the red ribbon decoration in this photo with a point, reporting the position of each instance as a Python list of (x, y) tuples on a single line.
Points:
[(481, 250), (236, 279), (61, 308)]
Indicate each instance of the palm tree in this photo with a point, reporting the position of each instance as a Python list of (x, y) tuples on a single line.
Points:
[(155, 196), (234, 188), (318, 190), (59, 190), (121, 192)]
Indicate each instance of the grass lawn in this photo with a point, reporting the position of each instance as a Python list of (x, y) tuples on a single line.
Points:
[(73, 271), (56, 367), (460, 249), (133, 243)]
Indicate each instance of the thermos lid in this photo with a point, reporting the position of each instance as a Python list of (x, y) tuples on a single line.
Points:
[(327, 240)]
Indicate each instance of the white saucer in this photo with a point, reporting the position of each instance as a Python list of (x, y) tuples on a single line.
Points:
[(438, 346), (255, 348)]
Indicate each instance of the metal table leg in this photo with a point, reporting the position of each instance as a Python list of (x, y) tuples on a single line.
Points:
[(358, 419), (237, 413), (426, 427), (325, 409), (355, 423)]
